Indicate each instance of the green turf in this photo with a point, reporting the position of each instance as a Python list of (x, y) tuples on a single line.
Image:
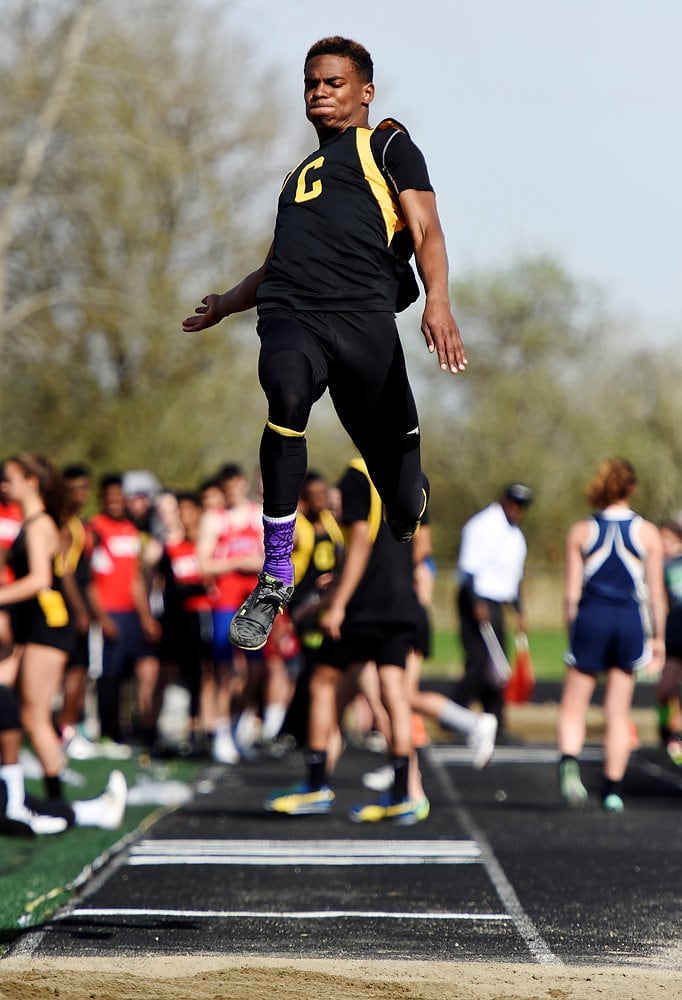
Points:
[(547, 649), (40, 874)]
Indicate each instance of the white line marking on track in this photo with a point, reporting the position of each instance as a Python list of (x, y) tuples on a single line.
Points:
[(511, 755), (535, 943), (303, 852), (274, 914)]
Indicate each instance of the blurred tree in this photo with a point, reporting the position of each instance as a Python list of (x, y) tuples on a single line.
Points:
[(551, 389), (130, 134)]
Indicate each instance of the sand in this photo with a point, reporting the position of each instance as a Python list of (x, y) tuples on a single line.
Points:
[(213, 978)]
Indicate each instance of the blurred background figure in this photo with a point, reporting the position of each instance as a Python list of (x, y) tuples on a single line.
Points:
[(492, 556), (614, 566), (668, 692)]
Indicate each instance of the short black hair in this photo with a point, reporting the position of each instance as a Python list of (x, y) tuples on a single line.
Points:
[(76, 471), (231, 470), (212, 483), (188, 496), (335, 45), (110, 479)]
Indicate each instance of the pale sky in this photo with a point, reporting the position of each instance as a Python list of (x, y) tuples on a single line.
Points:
[(548, 126)]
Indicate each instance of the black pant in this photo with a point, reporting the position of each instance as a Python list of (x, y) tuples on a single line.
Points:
[(478, 682), (359, 358)]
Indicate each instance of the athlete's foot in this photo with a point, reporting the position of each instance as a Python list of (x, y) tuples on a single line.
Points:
[(253, 622), (404, 531), (37, 823)]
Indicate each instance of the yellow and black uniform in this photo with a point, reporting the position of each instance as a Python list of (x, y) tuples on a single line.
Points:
[(42, 620), (75, 562), (338, 273), (341, 242), (383, 613), (317, 552)]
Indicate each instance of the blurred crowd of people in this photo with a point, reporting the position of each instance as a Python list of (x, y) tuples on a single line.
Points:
[(115, 626), (114, 634)]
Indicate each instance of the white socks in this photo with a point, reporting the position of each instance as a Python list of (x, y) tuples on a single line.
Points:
[(13, 776), (457, 717), (273, 717)]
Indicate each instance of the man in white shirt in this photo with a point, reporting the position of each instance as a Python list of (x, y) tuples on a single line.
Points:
[(490, 569)]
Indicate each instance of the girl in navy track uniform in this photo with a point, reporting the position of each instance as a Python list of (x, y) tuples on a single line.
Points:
[(615, 615)]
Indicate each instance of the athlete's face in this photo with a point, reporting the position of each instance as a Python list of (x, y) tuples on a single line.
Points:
[(315, 498), (19, 485), (112, 501), (335, 96)]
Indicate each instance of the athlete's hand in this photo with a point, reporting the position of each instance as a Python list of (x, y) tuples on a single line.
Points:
[(331, 621), (442, 335), (207, 314), (655, 664)]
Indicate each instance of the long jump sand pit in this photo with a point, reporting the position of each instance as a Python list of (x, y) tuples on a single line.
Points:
[(191, 977)]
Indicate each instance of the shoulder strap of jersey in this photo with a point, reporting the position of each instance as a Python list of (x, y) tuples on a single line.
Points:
[(303, 549), (382, 136), (375, 505), (331, 526)]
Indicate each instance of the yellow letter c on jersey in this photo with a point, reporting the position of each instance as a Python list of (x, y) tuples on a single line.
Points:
[(304, 193)]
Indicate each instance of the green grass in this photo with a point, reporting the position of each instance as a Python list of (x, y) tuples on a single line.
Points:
[(547, 648), (40, 874)]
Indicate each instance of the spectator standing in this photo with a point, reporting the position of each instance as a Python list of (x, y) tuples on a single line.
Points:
[(371, 617), (34, 598), (229, 552), (614, 598), (120, 602), (490, 569), (668, 692)]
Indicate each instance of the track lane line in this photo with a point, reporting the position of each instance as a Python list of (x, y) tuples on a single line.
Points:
[(534, 941)]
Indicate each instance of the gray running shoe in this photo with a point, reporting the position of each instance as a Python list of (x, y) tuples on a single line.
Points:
[(251, 625)]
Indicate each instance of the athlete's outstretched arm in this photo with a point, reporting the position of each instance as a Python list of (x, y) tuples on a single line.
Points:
[(216, 307), (439, 326)]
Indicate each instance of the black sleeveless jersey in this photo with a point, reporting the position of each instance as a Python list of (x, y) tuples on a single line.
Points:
[(341, 243)]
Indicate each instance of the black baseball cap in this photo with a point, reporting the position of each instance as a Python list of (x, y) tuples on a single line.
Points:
[(519, 493)]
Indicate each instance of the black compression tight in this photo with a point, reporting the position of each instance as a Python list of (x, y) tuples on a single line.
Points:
[(360, 359)]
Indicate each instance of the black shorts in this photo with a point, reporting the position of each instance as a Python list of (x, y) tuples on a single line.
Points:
[(30, 627), (385, 647), (421, 635)]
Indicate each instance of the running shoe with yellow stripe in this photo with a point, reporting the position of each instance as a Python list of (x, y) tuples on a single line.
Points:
[(301, 800), (404, 812)]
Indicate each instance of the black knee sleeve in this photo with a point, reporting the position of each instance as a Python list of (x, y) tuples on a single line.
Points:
[(288, 383), (9, 709), (283, 463)]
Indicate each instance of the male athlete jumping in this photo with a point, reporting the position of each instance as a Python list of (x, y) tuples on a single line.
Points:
[(349, 217)]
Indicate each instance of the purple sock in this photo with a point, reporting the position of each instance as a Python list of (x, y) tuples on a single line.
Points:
[(278, 539)]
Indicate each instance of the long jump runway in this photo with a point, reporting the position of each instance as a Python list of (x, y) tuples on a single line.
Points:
[(500, 871)]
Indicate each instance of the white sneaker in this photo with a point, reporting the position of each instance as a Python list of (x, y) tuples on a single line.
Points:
[(111, 750), (379, 780), (80, 748), (113, 801), (39, 823), (224, 750), (482, 740)]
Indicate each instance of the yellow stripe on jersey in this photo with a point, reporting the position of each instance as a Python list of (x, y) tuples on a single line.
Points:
[(393, 218)]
